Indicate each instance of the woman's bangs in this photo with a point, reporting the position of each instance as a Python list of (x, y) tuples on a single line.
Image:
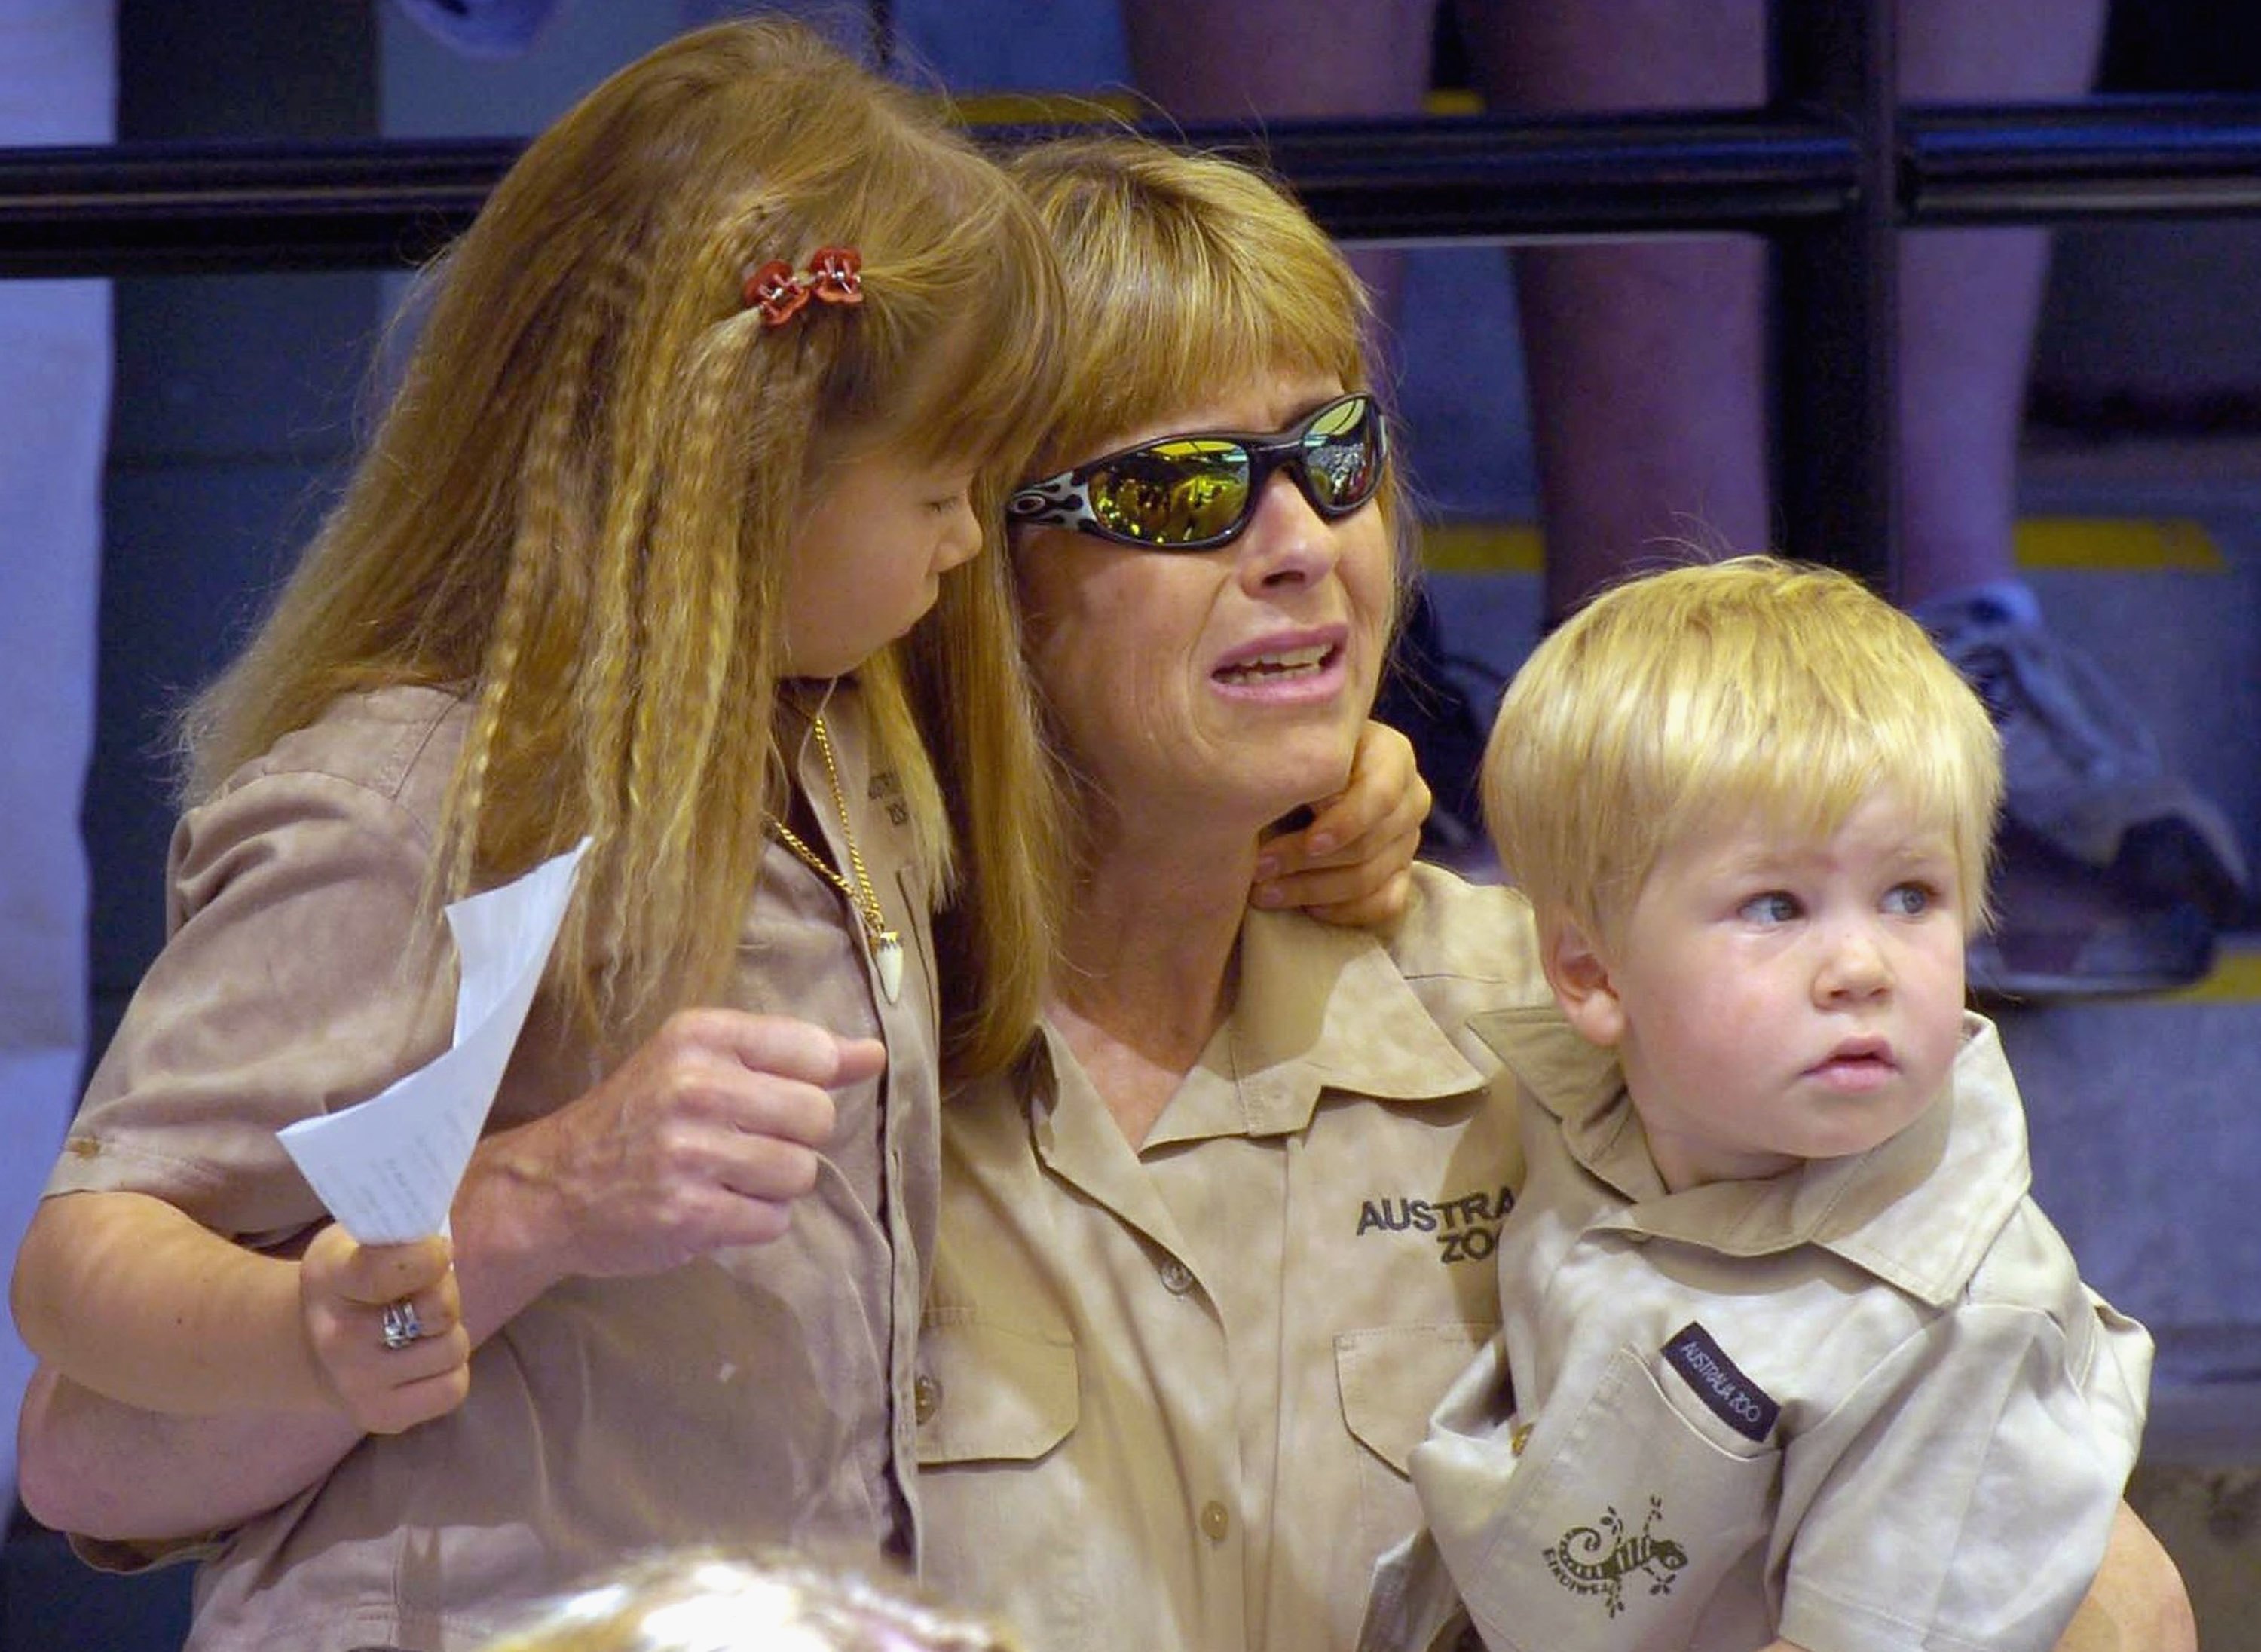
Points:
[(1156, 355)]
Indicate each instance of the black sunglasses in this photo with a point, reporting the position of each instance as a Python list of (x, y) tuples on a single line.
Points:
[(1198, 491)]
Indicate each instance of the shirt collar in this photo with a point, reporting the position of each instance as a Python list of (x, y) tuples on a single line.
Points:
[(1917, 1210), (1319, 1008)]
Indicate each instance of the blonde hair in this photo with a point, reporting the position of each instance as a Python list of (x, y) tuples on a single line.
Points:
[(577, 510), (713, 1600), (1696, 696)]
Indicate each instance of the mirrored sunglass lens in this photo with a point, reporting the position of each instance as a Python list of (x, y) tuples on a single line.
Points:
[(1340, 456), (1172, 492)]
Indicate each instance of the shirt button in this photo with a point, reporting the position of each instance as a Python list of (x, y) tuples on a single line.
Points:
[(1177, 1279), (84, 1147), (1215, 1522), (1520, 1439), (926, 1398)]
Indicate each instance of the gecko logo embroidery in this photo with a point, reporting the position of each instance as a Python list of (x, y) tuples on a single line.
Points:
[(1465, 1226), (1597, 1560), (1737, 1401)]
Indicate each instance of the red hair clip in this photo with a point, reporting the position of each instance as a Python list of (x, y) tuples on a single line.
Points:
[(835, 275)]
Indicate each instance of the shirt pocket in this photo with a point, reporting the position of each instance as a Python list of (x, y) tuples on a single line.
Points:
[(989, 1392), (1389, 1380), (997, 1407), (1623, 1515)]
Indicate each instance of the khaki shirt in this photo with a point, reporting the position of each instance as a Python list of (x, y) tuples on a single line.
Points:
[(757, 1394), (1864, 1406), (1167, 1394)]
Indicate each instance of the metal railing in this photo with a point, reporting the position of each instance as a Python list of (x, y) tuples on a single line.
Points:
[(1829, 173)]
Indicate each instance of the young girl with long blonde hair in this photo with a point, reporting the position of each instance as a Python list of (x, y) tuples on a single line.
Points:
[(711, 404)]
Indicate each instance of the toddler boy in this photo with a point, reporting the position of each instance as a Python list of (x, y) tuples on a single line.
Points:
[(1789, 1356)]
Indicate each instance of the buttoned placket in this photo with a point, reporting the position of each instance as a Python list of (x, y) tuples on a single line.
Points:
[(1083, 1148), (907, 1124), (1213, 1518)]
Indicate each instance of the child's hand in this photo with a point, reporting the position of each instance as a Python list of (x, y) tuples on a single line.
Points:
[(1353, 863), (345, 1290)]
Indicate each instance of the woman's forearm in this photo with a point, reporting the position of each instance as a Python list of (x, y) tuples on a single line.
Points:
[(702, 1139), (177, 1397), (130, 1297), (90, 1465)]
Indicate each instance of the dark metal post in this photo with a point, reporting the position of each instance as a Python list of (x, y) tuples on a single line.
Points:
[(1836, 285)]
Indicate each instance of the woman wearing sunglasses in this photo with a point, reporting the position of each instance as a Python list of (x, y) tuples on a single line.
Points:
[(1212, 1251), (1211, 1254)]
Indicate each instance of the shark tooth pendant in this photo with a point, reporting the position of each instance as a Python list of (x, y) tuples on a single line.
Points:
[(887, 958)]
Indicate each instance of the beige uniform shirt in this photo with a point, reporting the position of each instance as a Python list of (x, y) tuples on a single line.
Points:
[(1167, 1394), (1867, 1405), (757, 1394)]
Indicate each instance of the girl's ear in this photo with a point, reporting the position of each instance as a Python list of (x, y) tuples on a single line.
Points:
[(1580, 976)]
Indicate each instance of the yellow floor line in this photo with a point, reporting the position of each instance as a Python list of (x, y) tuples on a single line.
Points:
[(2235, 980), (2113, 544), (1482, 548), (1048, 109), (2044, 543)]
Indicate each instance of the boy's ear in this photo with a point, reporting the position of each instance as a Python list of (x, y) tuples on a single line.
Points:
[(1580, 976)]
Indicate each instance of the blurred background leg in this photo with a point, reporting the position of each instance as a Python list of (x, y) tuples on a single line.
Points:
[(1646, 358)]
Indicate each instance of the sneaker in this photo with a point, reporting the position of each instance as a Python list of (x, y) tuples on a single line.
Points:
[(2065, 930), (2082, 774)]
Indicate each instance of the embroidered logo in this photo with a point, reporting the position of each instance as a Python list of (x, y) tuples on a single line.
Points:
[(886, 784), (1737, 1401), (1597, 1560), (1466, 1226)]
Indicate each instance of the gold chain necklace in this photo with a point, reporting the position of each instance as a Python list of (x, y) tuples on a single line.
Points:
[(887, 946)]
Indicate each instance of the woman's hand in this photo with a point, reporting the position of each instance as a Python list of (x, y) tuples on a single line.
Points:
[(344, 1290), (702, 1139), (1354, 863)]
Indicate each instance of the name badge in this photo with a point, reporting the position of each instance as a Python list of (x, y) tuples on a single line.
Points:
[(1737, 1401)]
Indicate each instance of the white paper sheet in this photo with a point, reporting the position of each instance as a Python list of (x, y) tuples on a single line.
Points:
[(388, 1167)]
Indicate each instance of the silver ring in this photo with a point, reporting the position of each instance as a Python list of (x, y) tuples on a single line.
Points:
[(402, 1328)]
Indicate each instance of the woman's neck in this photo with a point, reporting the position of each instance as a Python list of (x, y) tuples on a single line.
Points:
[(1145, 978)]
